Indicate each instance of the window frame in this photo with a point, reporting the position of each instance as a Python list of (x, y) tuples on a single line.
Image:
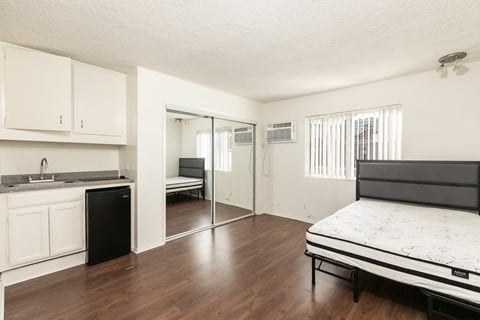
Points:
[(349, 139)]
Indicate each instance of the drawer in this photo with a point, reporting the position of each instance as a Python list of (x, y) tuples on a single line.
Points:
[(44, 197)]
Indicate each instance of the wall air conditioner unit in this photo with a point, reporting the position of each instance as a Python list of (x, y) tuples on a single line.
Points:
[(243, 135), (281, 132)]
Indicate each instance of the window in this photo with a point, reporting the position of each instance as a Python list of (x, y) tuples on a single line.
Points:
[(335, 141), (223, 148), (204, 147)]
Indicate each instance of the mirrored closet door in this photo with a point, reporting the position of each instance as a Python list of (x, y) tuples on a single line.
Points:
[(234, 170), (188, 172), (208, 160)]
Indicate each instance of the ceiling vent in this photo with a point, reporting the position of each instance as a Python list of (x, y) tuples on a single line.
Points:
[(281, 132)]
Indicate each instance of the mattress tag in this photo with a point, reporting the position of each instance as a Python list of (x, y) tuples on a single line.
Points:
[(460, 273)]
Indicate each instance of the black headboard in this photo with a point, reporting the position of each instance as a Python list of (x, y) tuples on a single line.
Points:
[(191, 167), (453, 184)]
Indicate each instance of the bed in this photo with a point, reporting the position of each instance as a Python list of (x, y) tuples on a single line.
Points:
[(191, 177), (414, 222)]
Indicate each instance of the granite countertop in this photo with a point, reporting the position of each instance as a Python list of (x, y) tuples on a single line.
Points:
[(19, 183)]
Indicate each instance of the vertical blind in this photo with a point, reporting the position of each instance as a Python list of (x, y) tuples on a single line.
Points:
[(337, 140), (328, 146), (223, 148), (204, 147)]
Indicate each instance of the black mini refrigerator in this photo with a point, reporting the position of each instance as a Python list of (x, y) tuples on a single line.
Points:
[(108, 223)]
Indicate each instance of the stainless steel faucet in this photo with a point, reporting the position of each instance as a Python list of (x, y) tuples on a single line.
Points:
[(43, 167)]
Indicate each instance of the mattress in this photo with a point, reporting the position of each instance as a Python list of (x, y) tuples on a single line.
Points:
[(432, 248), (174, 184)]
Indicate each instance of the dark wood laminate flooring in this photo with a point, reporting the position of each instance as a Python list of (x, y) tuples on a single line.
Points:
[(187, 214), (250, 269)]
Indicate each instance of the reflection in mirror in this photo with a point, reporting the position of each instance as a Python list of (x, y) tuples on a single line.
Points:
[(188, 173), (234, 170)]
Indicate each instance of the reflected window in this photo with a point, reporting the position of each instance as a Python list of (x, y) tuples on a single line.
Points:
[(223, 147), (204, 147)]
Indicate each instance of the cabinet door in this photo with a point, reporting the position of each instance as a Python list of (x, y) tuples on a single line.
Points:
[(99, 100), (66, 228), (37, 90), (28, 234)]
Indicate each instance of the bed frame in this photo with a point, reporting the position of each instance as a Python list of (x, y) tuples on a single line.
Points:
[(193, 168), (449, 184)]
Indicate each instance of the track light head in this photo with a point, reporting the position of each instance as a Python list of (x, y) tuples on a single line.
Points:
[(441, 68)]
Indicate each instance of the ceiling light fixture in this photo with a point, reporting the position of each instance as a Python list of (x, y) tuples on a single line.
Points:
[(457, 59), (441, 68)]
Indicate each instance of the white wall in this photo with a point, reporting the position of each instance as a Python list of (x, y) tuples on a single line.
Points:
[(173, 146), (18, 157), (441, 121), (153, 91), (128, 153), (190, 128)]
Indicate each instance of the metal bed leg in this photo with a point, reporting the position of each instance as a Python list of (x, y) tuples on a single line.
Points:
[(353, 278), (355, 285), (313, 270)]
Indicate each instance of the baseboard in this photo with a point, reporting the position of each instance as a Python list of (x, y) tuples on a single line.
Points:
[(149, 247), (14, 276), (290, 217)]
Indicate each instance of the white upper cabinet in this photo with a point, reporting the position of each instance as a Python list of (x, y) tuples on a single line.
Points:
[(37, 90), (99, 100)]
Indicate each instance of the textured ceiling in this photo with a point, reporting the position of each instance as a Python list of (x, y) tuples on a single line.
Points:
[(264, 50)]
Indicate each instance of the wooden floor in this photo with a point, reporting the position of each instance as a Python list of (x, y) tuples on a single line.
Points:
[(250, 269), (187, 214)]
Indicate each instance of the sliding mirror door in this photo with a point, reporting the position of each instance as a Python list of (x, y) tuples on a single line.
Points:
[(234, 170), (189, 155)]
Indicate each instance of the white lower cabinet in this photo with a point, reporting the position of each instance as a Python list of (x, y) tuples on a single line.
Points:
[(43, 225), (66, 228), (28, 235)]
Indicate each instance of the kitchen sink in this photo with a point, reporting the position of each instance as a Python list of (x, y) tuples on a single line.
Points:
[(44, 182)]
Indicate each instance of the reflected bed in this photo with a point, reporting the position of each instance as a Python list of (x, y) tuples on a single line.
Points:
[(191, 177)]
